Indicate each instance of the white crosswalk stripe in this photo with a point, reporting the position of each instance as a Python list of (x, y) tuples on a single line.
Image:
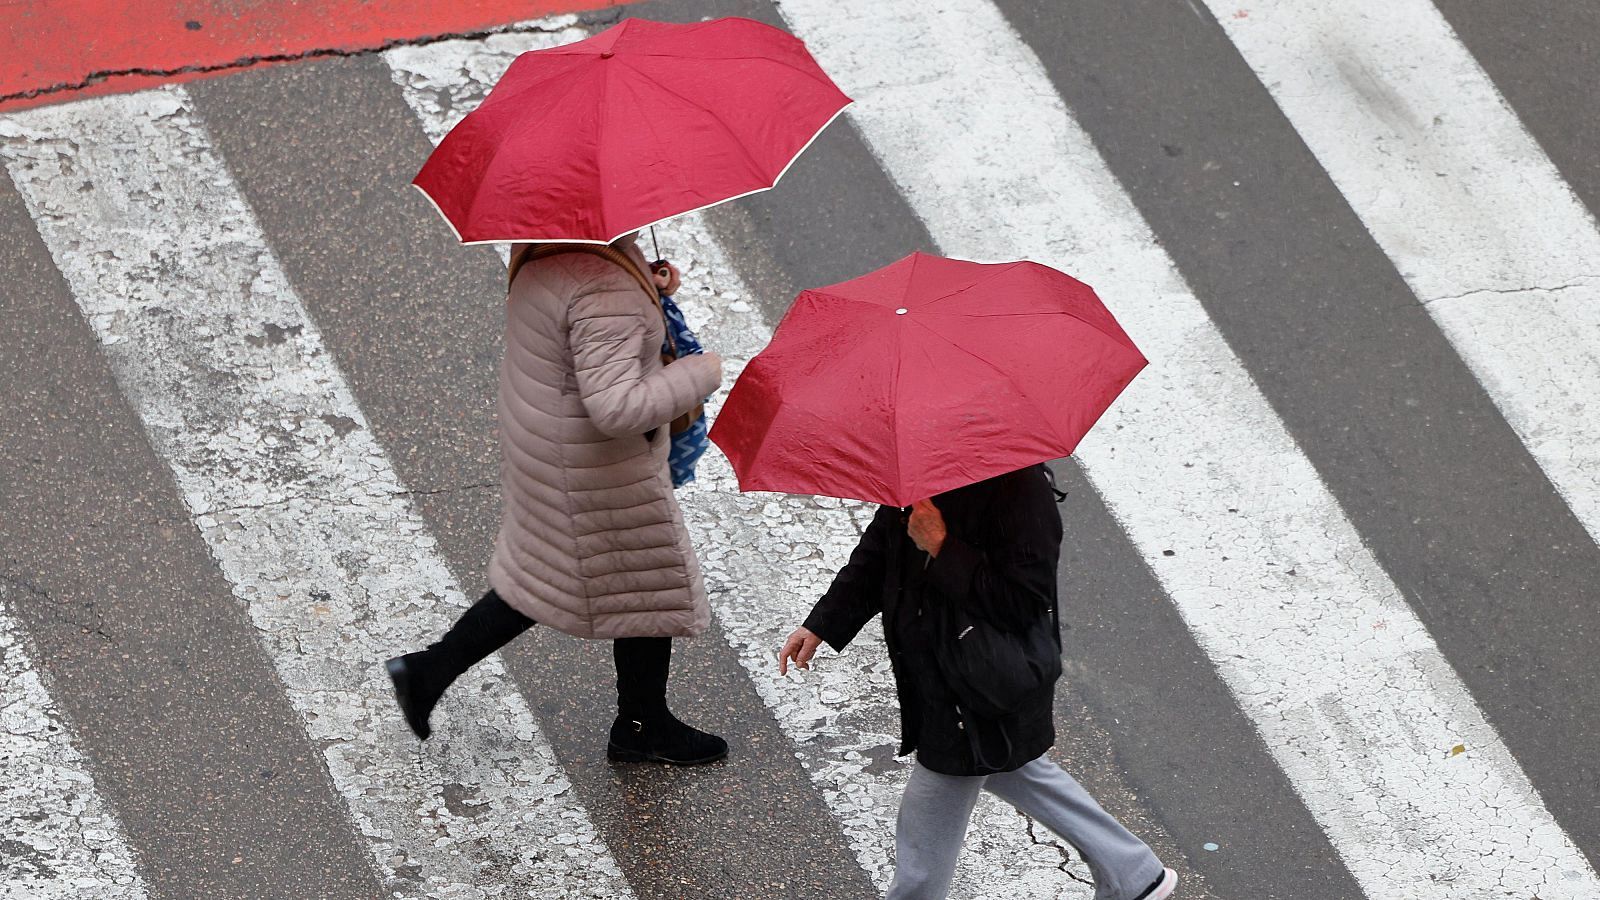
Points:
[(1474, 215), (767, 559), (293, 496), (314, 531), (60, 840), (1321, 651)]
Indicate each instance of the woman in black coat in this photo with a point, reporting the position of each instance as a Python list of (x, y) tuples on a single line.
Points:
[(991, 549)]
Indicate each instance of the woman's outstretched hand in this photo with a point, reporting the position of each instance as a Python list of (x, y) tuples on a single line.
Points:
[(800, 647)]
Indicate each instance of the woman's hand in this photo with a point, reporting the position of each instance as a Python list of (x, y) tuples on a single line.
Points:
[(666, 278), (800, 647), (927, 528), (715, 358)]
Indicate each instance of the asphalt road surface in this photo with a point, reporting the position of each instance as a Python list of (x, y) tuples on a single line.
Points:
[(1331, 572)]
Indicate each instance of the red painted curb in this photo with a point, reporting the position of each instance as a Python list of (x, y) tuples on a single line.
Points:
[(59, 50)]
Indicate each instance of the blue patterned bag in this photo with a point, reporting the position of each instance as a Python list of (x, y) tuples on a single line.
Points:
[(687, 446)]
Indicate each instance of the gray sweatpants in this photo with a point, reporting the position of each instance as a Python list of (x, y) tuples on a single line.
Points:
[(935, 809)]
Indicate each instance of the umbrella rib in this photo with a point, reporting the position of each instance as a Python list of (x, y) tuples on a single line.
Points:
[(540, 81), (1118, 339), (737, 142), (599, 142), (1005, 375), (819, 77), (477, 191), (573, 49), (1122, 340), (824, 294), (1115, 339), (984, 280), (756, 190), (911, 277), (649, 121), (756, 455), (894, 407)]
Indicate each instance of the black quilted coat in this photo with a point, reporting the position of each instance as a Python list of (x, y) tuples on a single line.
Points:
[(1000, 562)]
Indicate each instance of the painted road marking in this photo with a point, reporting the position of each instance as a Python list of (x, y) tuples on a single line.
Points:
[(1473, 214), (767, 559), (85, 48), (294, 498), (61, 841), (1349, 692)]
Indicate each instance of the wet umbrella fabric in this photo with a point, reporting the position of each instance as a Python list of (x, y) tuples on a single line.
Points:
[(924, 376), (647, 120)]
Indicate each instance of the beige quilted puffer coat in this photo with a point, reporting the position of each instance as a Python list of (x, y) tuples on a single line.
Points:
[(591, 539)]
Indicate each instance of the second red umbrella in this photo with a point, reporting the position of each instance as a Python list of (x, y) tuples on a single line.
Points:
[(927, 375), (591, 140)]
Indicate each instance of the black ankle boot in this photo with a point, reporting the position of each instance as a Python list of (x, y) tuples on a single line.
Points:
[(421, 678), (663, 739), (416, 689)]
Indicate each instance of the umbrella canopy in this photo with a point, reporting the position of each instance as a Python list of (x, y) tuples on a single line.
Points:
[(591, 140), (927, 375)]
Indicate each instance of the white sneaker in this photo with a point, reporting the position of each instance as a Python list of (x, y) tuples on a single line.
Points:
[(1163, 888)]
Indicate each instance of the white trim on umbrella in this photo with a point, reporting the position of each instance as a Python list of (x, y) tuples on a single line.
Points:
[(565, 240)]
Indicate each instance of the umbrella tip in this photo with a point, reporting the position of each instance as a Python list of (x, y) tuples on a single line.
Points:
[(607, 54)]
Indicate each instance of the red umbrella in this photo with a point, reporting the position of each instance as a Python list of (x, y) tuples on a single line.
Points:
[(591, 140), (924, 376)]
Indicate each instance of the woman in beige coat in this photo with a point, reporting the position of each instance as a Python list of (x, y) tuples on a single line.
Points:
[(591, 541)]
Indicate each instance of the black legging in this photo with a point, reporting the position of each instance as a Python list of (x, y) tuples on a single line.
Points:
[(642, 662)]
